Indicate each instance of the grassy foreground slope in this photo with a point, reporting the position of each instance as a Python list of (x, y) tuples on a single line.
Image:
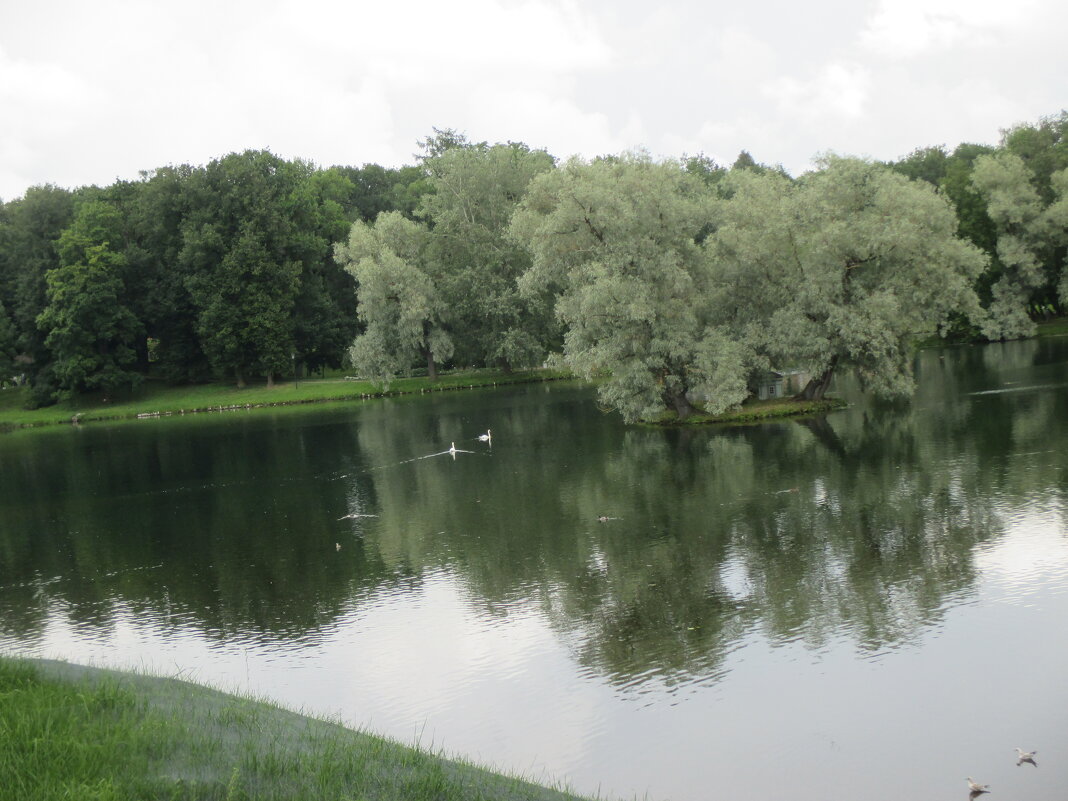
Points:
[(70, 732)]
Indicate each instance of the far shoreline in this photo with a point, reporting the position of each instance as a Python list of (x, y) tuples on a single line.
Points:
[(156, 400)]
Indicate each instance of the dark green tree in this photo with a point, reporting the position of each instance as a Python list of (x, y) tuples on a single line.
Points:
[(923, 164), (244, 308), (324, 313), (375, 189), (247, 240), (90, 333), (155, 211), (973, 222), (29, 230), (705, 168), (7, 347)]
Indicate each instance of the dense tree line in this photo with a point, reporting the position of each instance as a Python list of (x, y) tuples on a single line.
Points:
[(188, 273), (1012, 203), (679, 281)]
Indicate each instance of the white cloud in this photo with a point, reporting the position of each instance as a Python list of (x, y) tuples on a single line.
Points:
[(428, 42), (905, 28), (337, 82), (41, 106), (91, 92), (837, 91), (543, 118)]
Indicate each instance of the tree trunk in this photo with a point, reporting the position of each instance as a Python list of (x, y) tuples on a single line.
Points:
[(270, 379), (431, 367), (816, 387), (141, 349), (240, 378), (679, 402)]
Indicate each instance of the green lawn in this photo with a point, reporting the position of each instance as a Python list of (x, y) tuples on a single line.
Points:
[(1053, 328), (82, 734), (156, 397)]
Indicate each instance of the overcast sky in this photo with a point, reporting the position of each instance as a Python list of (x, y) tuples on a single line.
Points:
[(95, 91)]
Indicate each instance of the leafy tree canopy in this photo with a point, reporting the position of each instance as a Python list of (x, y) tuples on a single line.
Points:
[(398, 302), (842, 267), (475, 191), (616, 241)]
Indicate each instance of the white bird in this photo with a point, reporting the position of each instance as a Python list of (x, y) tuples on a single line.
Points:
[(975, 788), (453, 450), (487, 437), (1025, 756), (337, 545)]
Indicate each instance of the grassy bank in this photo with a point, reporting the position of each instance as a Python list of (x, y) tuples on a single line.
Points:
[(158, 399), (68, 732), (1053, 328), (753, 411)]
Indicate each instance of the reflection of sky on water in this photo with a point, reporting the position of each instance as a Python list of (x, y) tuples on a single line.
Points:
[(1030, 561)]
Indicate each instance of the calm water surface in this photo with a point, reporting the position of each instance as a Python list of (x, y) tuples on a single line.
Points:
[(870, 605)]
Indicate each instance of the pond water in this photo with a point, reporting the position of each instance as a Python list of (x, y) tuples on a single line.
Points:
[(868, 605)]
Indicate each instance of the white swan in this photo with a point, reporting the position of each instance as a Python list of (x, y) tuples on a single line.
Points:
[(487, 437), (453, 450)]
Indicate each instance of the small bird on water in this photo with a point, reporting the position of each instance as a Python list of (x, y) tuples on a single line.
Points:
[(453, 450), (977, 789), (1025, 756)]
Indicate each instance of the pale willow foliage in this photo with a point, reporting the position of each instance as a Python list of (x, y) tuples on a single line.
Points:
[(1015, 208), (617, 241), (476, 189), (840, 268), (1055, 222), (396, 299)]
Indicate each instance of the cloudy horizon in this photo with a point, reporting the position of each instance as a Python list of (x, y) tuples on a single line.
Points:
[(96, 93)]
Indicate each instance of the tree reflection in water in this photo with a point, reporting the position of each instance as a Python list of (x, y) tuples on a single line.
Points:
[(862, 525)]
